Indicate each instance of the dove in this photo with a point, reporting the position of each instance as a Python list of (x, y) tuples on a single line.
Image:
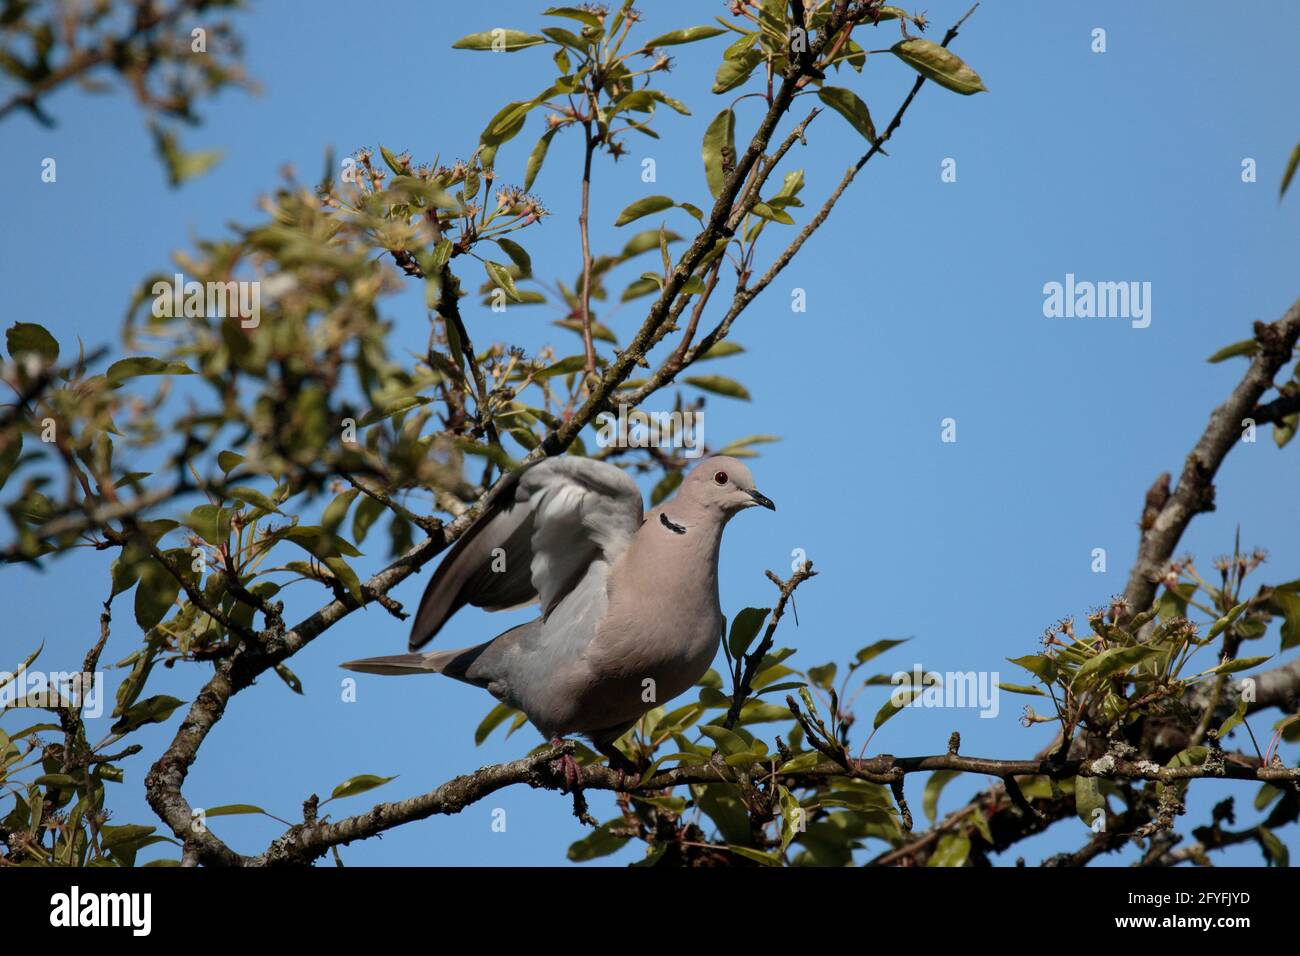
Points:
[(629, 612)]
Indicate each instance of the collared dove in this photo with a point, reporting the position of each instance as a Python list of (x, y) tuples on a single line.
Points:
[(630, 616)]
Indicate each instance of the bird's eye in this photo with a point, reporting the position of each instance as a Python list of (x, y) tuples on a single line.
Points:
[(720, 477)]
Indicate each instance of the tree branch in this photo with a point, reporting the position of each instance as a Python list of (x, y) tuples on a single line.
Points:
[(745, 686), (1195, 490), (306, 842)]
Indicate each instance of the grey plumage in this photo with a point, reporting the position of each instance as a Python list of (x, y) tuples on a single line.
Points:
[(629, 602)]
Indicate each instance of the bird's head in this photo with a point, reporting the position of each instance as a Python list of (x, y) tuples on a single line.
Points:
[(725, 484)]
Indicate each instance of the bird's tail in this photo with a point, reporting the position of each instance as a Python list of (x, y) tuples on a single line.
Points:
[(400, 664)]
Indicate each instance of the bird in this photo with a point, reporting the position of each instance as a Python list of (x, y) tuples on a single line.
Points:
[(629, 610)]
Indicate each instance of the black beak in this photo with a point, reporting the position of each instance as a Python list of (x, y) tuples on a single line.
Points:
[(763, 500)]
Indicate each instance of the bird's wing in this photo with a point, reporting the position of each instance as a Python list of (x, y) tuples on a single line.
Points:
[(534, 541)]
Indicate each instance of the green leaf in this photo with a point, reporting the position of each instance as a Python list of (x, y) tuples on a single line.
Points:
[(565, 366), (392, 408), (639, 288), (727, 741), (736, 69), (1291, 165), (645, 241), (228, 461), (674, 104), (391, 161), (719, 385), (155, 596), (643, 207), (665, 487), (359, 784), (518, 255), (1190, 757), (685, 35), (1289, 602), (1285, 430), (792, 817), (537, 157), (744, 628), (321, 543), (1088, 798), (758, 856), (847, 104), (822, 676), (1115, 660), (506, 124), (719, 140), (741, 447), (129, 368), (233, 809), (151, 710), (875, 650), (1219, 626), (1244, 347), (1238, 664), (764, 211), (953, 849), (495, 717), (641, 101), (10, 452), (343, 571), (1040, 665), (125, 571), (573, 13), (211, 523), (892, 707), (563, 38), (28, 337), (599, 842), (8, 678), (721, 350), (1238, 716), (117, 838), (939, 64), (181, 165), (505, 40), (804, 761), (693, 211), (1275, 851), (337, 510), (251, 496), (1172, 602), (58, 781), (1266, 794), (933, 788), (494, 134)]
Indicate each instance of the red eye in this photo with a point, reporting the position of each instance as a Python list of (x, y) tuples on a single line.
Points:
[(720, 477)]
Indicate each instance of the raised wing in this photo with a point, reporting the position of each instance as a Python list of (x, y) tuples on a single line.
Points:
[(534, 541)]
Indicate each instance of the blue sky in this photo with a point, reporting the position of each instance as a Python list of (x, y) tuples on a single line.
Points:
[(924, 301)]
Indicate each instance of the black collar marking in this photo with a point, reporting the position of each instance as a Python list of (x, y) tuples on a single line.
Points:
[(674, 528)]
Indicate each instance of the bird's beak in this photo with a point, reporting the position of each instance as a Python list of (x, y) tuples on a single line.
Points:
[(763, 500)]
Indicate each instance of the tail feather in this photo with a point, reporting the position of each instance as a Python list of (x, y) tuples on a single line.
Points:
[(454, 663), (400, 664)]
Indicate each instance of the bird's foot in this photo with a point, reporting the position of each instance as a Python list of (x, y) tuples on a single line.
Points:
[(566, 765), (629, 772), (627, 779)]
